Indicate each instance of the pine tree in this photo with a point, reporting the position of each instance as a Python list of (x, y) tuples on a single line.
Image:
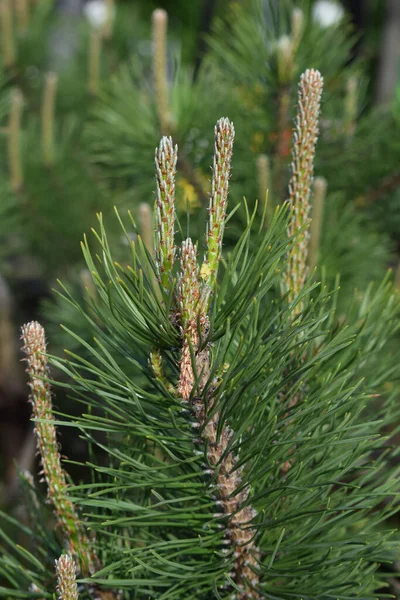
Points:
[(247, 454)]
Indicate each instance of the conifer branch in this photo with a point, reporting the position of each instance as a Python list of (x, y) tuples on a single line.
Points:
[(191, 315), (7, 33), (57, 488), (165, 166), (67, 588), (221, 461), (223, 146), (195, 372), (160, 75), (319, 189), (304, 142), (14, 132), (48, 109)]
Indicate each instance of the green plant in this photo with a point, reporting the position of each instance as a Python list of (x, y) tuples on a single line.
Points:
[(234, 410)]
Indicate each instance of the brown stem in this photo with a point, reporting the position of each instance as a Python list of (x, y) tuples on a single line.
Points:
[(234, 506)]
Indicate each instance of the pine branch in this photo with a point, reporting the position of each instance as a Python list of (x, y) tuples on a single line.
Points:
[(304, 142), (223, 146), (192, 315), (194, 374), (57, 488), (165, 165)]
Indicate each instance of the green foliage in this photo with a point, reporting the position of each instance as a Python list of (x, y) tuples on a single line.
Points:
[(310, 399), (153, 506)]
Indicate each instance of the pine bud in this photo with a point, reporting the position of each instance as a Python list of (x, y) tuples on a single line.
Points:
[(165, 164), (67, 588), (223, 146), (35, 349), (304, 142)]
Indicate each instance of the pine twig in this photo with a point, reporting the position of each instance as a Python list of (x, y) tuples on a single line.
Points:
[(14, 133), (304, 142), (67, 588), (165, 166), (48, 110), (195, 372), (221, 461), (57, 488), (191, 307), (223, 146)]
